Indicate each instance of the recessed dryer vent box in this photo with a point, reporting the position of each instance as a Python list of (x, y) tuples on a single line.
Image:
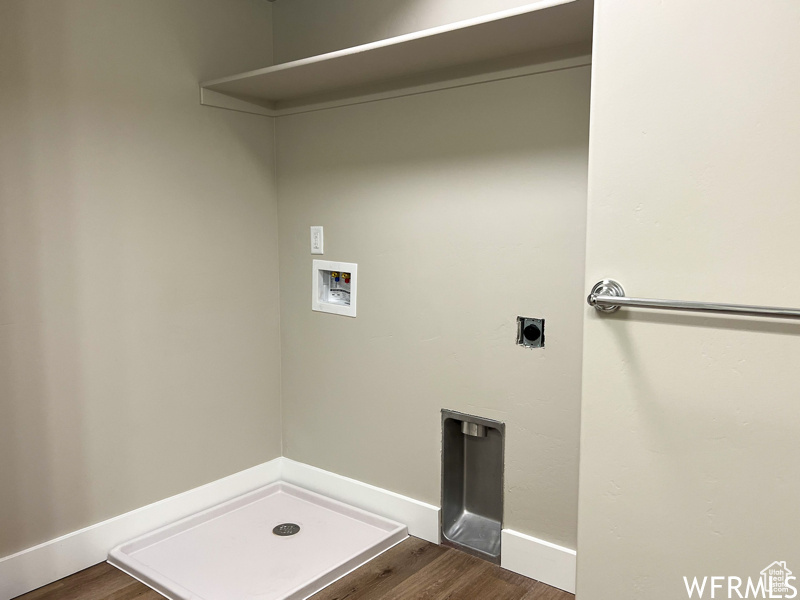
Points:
[(472, 484), (333, 287)]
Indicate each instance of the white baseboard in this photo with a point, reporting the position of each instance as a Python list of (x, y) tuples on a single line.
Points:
[(50, 561), (421, 519), (523, 554), (538, 559)]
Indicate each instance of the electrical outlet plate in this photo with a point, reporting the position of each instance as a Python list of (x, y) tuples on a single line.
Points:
[(327, 295)]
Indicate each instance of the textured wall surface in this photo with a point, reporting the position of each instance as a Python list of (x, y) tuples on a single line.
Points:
[(690, 423), (463, 209), (139, 345)]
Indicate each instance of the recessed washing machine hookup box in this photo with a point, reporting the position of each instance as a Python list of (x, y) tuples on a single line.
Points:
[(333, 287)]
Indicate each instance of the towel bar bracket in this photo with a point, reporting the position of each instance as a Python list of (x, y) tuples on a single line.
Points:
[(606, 287)]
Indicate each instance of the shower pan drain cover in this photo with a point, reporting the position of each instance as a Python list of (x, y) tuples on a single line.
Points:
[(285, 529)]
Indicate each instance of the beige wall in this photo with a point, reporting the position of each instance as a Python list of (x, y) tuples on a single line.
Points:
[(463, 209), (308, 27), (139, 348), (691, 423)]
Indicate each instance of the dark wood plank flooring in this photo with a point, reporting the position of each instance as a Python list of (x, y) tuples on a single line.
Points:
[(100, 582), (412, 570)]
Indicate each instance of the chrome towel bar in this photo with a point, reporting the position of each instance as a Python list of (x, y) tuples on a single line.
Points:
[(608, 296)]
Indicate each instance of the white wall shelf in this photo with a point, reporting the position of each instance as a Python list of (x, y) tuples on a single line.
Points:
[(466, 52)]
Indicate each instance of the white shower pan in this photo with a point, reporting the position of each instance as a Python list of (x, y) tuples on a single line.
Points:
[(230, 552)]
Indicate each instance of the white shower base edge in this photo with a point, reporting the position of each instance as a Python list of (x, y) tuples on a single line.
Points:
[(229, 552)]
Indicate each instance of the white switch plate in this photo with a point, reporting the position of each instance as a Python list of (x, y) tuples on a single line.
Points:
[(317, 240)]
